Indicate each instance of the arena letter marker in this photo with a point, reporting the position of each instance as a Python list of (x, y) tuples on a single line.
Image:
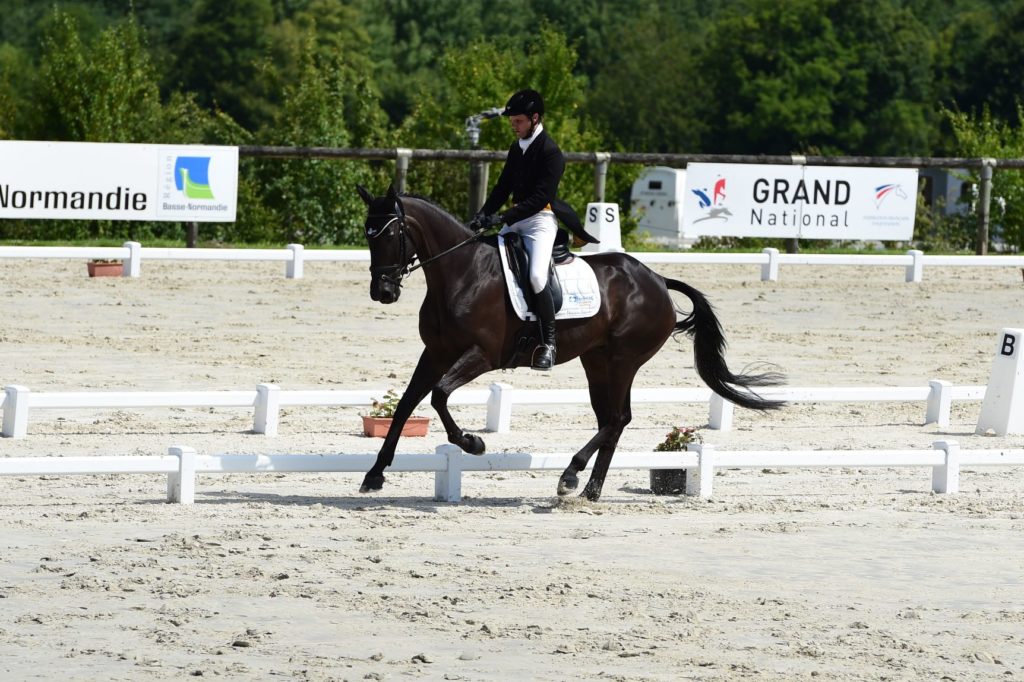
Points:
[(1002, 411)]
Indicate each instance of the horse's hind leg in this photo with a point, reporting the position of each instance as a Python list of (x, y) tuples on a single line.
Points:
[(595, 364), (619, 383)]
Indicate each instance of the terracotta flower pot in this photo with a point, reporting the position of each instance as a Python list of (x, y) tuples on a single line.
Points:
[(105, 269), (377, 427)]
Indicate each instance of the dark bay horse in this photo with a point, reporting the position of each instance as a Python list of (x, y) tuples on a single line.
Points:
[(469, 327)]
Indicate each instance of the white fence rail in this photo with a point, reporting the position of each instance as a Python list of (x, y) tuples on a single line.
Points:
[(295, 256), (17, 401), (182, 464)]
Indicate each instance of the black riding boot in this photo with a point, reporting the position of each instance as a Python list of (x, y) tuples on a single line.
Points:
[(544, 307)]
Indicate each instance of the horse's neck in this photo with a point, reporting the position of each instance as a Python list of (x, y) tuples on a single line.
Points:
[(435, 234)]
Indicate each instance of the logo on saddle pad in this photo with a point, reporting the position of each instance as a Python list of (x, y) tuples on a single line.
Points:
[(581, 296)]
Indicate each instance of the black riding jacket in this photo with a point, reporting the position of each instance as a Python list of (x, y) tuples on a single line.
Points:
[(530, 178)]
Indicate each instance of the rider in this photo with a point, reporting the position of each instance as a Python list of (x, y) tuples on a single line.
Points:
[(533, 169)]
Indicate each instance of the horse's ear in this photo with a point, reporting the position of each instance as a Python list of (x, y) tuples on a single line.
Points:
[(392, 194), (366, 196)]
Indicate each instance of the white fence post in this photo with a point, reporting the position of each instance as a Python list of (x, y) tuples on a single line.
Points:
[(181, 486), (699, 482), (268, 403), (133, 263), (946, 476), (720, 413), (770, 270), (915, 270), (499, 408), (940, 400), (15, 423), (448, 483), (293, 269)]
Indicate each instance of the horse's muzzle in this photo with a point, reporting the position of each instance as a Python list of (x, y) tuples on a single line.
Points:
[(384, 290)]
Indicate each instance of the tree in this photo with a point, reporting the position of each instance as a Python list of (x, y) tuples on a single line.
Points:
[(219, 54), (16, 84), (480, 76), (314, 201), (983, 135), (818, 75), (651, 98), (996, 79)]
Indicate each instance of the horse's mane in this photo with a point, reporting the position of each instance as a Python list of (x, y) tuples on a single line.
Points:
[(432, 204)]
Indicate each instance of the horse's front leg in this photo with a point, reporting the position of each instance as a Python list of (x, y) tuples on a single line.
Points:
[(423, 378), (472, 364)]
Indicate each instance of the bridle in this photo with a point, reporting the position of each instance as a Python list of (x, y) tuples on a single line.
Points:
[(394, 274)]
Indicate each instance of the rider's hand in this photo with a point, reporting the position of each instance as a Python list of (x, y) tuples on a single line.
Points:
[(481, 222)]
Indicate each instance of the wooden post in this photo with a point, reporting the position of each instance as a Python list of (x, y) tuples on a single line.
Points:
[(984, 203), (478, 176)]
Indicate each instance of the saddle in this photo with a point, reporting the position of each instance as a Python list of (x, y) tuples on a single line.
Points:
[(519, 264), (574, 287)]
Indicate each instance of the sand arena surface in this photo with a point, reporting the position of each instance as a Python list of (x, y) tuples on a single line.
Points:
[(843, 574)]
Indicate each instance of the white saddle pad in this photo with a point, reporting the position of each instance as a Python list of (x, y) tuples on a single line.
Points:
[(581, 296)]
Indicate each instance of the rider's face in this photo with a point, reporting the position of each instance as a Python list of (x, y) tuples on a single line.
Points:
[(521, 125)]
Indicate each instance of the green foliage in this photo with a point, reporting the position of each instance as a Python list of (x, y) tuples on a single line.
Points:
[(983, 135), (935, 230), (481, 76), (219, 54), (739, 76), (645, 99), (386, 406), (313, 201)]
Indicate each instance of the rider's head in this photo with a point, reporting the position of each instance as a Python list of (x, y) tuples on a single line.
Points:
[(525, 110)]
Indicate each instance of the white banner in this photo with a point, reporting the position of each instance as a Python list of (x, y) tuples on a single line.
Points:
[(808, 202), (90, 181)]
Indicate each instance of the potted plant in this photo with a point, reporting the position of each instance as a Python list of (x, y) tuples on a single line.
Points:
[(103, 267), (673, 481), (378, 421)]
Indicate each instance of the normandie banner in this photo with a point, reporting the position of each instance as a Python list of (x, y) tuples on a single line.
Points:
[(808, 202), (100, 181)]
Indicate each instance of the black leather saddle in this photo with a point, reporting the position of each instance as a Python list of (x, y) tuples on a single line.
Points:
[(519, 264)]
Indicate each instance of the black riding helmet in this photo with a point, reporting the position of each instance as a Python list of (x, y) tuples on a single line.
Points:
[(525, 102)]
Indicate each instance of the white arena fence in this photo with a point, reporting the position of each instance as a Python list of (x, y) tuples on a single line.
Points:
[(17, 401), (295, 256), (182, 464)]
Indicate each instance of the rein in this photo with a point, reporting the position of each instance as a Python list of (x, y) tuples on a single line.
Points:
[(396, 273)]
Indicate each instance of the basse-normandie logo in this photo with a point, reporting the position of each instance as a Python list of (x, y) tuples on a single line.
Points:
[(192, 176)]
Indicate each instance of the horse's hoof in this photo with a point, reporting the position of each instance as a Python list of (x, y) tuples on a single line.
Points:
[(471, 444), (567, 484), (591, 493), (372, 484)]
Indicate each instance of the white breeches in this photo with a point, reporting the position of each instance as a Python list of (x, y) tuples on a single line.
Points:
[(538, 233)]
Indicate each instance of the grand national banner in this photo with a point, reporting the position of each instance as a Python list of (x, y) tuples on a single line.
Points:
[(89, 181), (808, 202)]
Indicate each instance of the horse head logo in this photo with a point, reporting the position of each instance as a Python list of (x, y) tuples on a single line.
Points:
[(883, 191)]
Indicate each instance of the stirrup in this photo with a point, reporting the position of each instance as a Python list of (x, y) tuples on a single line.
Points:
[(543, 358)]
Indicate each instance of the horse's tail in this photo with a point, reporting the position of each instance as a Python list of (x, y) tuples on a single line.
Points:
[(703, 327)]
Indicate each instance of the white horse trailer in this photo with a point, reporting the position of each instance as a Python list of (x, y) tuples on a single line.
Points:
[(656, 201)]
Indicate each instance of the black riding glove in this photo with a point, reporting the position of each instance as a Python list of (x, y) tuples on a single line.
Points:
[(482, 223)]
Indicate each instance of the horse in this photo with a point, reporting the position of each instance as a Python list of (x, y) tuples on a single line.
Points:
[(469, 327)]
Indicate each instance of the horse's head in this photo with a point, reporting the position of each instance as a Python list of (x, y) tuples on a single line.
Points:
[(391, 250)]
